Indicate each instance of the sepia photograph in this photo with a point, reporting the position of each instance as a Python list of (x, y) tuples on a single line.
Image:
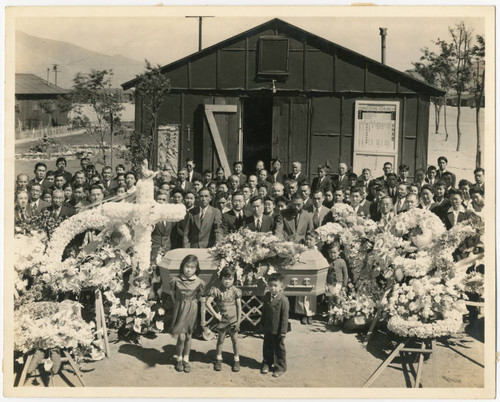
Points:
[(249, 202)]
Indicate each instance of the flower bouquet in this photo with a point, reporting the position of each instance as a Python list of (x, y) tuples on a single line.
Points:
[(255, 255)]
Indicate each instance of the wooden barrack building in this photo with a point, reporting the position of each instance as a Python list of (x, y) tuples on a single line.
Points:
[(279, 91)]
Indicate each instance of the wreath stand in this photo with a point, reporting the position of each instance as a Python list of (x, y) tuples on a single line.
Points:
[(101, 328), (65, 359), (427, 346)]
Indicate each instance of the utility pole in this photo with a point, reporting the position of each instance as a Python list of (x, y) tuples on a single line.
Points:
[(383, 34), (200, 20), (48, 74), (54, 67)]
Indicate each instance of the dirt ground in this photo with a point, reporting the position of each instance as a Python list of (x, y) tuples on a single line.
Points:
[(317, 356)]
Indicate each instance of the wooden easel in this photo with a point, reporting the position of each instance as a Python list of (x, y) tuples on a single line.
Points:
[(100, 318), (402, 349), (65, 359)]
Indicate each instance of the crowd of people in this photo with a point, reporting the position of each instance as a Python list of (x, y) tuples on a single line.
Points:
[(265, 200), (217, 204)]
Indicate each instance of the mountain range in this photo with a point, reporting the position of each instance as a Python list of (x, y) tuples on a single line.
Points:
[(34, 55)]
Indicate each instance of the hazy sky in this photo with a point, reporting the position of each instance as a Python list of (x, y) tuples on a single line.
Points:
[(166, 39)]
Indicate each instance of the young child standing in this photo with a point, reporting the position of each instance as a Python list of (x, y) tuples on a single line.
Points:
[(187, 289), (275, 323), (228, 300), (337, 277)]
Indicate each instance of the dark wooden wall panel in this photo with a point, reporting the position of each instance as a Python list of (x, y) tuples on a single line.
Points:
[(408, 154), (376, 82), (296, 69), (299, 131), (179, 77), (324, 149), (231, 69), (192, 116), (281, 118), (348, 76), (326, 115), (423, 134), (410, 123), (203, 72), (254, 39), (170, 110), (348, 104), (319, 71)]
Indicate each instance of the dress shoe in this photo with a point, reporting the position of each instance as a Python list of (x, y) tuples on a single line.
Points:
[(303, 321), (309, 320), (278, 373), (187, 367), (264, 369), (236, 366), (178, 366), (218, 365)]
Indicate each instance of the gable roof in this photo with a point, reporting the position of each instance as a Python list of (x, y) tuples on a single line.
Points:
[(30, 84), (299, 33)]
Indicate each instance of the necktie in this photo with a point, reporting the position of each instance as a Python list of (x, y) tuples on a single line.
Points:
[(239, 220), (258, 225), (297, 221), (316, 218), (202, 215), (23, 215)]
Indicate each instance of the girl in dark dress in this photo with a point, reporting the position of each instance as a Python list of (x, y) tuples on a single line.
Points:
[(187, 289)]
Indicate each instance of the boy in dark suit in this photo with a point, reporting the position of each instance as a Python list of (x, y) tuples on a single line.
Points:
[(275, 323)]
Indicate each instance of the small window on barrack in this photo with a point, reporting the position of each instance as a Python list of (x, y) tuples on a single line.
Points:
[(273, 56)]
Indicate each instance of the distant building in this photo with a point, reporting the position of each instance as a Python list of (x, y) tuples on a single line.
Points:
[(36, 103), (467, 99)]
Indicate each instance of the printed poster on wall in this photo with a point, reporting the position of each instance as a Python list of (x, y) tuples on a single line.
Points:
[(376, 125), (376, 128)]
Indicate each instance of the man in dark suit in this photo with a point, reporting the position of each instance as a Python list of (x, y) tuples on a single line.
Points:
[(110, 185), (22, 210), (37, 204), (202, 225), (276, 175), (392, 186), (57, 209), (361, 208), (61, 164), (297, 174), (305, 192), (238, 171), (182, 182), (321, 182), (295, 223), (40, 173), (341, 179), (191, 173), (160, 236), (387, 169), (258, 222), (320, 213), (232, 220), (442, 164), (479, 179), (264, 180), (456, 213)]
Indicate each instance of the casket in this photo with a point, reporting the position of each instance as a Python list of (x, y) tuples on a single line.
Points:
[(306, 277)]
